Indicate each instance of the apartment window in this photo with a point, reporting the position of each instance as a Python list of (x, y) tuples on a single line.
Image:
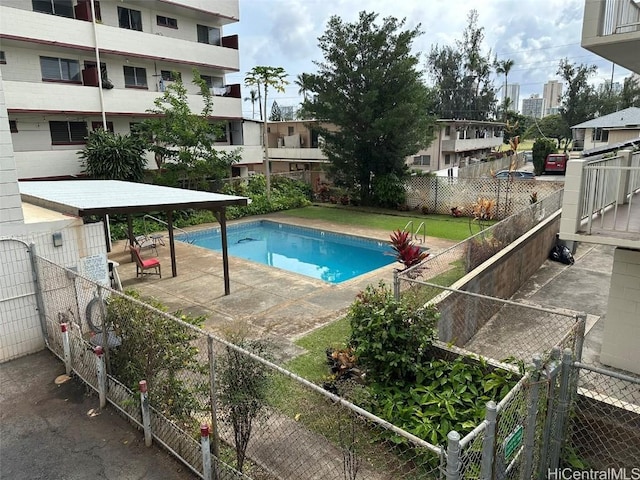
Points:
[(166, 21), (423, 160), (170, 76), (447, 130), (3, 59), (60, 69), (62, 8), (13, 126), (600, 135), (68, 133), (98, 126), (447, 159), (210, 35), (135, 77), (213, 82), (128, 18), (289, 130)]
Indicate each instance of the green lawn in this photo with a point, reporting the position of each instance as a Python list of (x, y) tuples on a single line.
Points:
[(440, 226)]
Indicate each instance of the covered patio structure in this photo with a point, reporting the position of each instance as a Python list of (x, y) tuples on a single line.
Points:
[(83, 198)]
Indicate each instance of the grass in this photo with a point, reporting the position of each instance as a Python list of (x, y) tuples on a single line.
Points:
[(440, 226)]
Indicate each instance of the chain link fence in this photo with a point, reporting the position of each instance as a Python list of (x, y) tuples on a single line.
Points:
[(604, 421), (266, 422), (453, 263)]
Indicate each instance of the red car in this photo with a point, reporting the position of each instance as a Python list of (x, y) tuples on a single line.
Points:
[(556, 162)]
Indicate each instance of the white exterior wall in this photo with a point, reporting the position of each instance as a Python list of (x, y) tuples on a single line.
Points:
[(622, 323), (33, 103), (10, 208)]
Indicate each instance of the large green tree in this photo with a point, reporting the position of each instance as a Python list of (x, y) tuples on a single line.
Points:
[(369, 86), (579, 98), (186, 139), (462, 75), (551, 126)]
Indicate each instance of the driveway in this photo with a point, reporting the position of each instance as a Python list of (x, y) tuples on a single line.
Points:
[(52, 432)]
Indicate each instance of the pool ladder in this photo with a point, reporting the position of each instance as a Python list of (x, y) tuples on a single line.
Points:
[(414, 233)]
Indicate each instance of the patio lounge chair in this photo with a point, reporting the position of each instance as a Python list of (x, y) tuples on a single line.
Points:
[(143, 241), (142, 265)]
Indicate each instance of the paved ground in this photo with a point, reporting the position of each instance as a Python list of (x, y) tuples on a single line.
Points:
[(269, 301), (53, 432)]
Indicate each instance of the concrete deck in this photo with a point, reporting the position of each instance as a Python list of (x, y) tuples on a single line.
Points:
[(268, 301)]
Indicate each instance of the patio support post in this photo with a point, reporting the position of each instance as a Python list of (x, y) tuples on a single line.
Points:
[(172, 246), (222, 218), (130, 231)]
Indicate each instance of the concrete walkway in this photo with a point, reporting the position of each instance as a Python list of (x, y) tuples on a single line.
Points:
[(267, 301), (57, 432)]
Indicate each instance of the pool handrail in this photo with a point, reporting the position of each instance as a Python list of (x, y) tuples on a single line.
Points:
[(188, 239)]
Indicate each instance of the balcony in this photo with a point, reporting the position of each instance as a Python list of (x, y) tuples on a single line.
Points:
[(469, 144), (76, 99), (611, 29), (602, 201), (59, 32)]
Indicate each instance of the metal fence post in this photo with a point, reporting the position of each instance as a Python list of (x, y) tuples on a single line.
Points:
[(563, 407), (66, 348), (38, 291), (552, 372), (213, 399), (146, 414), (489, 441), (580, 332), (452, 471), (102, 376), (206, 454), (531, 420), (396, 285)]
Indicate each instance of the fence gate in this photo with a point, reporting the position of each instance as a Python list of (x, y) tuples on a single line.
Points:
[(21, 330)]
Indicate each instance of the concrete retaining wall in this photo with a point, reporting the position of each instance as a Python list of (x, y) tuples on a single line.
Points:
[(461, 316)]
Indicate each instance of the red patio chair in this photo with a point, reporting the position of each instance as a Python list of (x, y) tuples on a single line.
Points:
[(142, 265)]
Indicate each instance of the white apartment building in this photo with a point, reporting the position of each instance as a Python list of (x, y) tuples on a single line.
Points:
[(69, 68), (552, 94), (533, 106), (512, 92)]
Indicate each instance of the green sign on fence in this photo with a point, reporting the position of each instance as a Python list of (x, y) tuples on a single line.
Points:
[(512, 442)]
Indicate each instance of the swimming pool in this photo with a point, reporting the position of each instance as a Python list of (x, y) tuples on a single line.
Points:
[(327, 256)]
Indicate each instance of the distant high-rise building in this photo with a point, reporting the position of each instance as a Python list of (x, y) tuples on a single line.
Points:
[(512, 92), (532, 106), (551, 94)]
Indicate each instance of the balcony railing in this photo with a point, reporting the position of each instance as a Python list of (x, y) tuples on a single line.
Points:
[(620, 17), (602, 199)]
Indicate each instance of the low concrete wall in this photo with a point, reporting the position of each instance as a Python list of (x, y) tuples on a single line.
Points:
[(461, 316)]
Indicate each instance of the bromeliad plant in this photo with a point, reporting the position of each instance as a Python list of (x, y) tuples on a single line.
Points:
[(407, 252)]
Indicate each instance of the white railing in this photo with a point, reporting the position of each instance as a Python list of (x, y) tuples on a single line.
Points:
[(610, 185), (620, 16)]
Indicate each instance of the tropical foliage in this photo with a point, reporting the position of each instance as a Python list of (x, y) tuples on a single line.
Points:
[(110, 156), (369, 86), (407, 252)]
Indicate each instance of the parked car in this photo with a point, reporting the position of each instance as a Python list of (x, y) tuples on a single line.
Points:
[(515, 174), (528, 156), (556, 162)]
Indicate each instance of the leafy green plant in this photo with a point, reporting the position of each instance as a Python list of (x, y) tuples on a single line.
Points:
[(111, 156), (243, 388), (158, 349), (407, 252), (390, 340), (388, 191), (541, 148)]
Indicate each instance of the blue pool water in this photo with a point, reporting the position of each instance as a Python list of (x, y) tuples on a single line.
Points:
[(326, 256)]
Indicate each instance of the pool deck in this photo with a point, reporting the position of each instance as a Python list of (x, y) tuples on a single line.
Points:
[(266, 301)]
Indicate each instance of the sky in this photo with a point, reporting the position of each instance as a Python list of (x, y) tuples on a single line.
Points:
[(535, 34)]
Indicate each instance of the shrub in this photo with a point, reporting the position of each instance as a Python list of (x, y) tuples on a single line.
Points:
[(111, 156), (388, 191), (390, 340), (541, 148), (406, 252)]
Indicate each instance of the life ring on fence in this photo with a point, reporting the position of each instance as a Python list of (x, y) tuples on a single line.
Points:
[(95, 312)]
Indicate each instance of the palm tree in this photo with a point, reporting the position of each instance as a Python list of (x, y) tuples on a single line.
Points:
[(253, 98), (504, 66), (302, 81)]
